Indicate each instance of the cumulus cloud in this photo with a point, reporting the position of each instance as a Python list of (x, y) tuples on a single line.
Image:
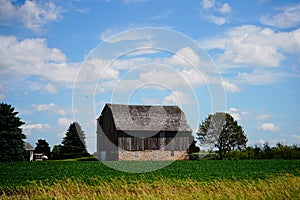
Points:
[(150, 101), (237, 113), (177, 97), (225, 8), (217, 20), (287, 17), (32, 14), (296, 137), (259, 77), (231, 87), (64, 122), (51, 107), (186, 56), (234, 112), (215, 11), (255, 46), (33, 57), (49, 88), (269, 127), (144, 38), (263, 116), (261, 141), (28, 128), (207, 4)]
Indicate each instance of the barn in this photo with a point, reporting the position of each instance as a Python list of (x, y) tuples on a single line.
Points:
[(142, 132)]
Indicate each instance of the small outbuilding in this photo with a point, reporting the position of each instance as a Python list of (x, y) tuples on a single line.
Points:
[(142, 132), (29, 151)]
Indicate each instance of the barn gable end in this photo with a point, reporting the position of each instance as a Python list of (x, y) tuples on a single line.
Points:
[(138, 132)]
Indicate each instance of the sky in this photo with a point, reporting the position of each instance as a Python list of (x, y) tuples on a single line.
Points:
[(61, 61)]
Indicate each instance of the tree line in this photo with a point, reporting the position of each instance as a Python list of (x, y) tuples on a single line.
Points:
[(12, 139), (227, 140), (218, 131)]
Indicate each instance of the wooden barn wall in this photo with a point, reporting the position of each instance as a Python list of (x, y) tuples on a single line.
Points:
[(107, 135), (159, 141)]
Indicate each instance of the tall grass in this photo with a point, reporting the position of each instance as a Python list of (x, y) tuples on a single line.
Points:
[(286, 186)]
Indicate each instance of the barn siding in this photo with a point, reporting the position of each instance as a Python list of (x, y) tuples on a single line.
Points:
[(107, 136), (161, 141)]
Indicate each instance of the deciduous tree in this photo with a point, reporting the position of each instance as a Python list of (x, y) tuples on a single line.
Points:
[(42, 147), (221, 131)]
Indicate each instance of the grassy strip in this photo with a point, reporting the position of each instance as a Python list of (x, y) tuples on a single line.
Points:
[(286, 186)]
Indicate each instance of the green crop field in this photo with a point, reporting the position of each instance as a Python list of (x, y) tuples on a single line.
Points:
[(205, 179)]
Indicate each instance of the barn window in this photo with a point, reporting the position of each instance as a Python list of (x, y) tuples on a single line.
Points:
[(172, 153), (137, 154)]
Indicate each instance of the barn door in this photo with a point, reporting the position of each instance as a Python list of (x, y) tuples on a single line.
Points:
[(162, 142), (103, 156)]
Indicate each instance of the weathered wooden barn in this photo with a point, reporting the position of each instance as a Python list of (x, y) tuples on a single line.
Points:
[(139, 132)]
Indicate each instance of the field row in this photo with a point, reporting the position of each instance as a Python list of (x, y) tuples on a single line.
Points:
[(24, 173)]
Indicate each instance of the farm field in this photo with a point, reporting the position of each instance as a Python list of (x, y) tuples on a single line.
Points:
[(254, 179)]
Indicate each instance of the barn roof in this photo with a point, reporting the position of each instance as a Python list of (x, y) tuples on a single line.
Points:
[(148, 118), (28, 146)]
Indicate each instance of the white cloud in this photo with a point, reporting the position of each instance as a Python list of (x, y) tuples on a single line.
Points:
[(241, 51), (263, 116), (217, 20), (231, 87), (215, 11), (32, 57), (112, 35), (288, 17), (64, 122), (234, 112), (258, 77), (2, 92), (186, 56), (49, 88), (32, 14), (255, 46), (133, 1), (296, 137), (261, 141), (150, 101), (207, 4), (28, 128), (225, 8), (163, 15), (237, 113), (29, 51), (50, 107), (177, 97), (269, 127)]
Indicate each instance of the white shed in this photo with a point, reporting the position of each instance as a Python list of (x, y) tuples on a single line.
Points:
[(29, 150)]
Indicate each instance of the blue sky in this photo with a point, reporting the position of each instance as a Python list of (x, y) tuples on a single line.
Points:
[(62, 60)]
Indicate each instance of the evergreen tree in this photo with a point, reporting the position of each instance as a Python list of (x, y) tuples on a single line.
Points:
[(42, 147), (57, 152), (74, 142), (11, 136)]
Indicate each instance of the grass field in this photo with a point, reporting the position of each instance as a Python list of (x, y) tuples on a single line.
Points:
[(205, 179)]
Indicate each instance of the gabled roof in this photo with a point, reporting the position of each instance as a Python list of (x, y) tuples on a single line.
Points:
[(28, 147), (148, 118)]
